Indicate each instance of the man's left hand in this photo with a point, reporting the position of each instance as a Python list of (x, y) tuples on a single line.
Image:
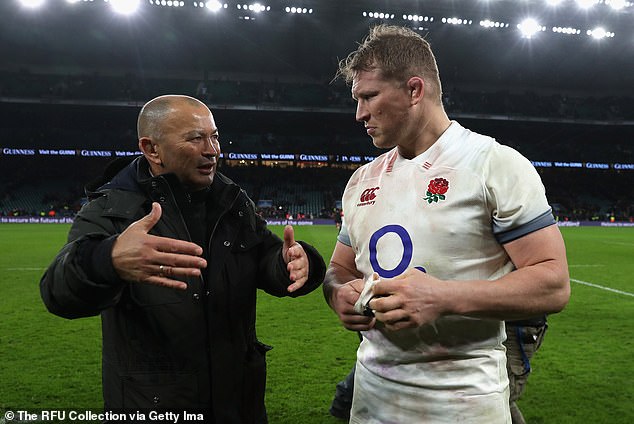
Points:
[(409, 300), (296, 259)]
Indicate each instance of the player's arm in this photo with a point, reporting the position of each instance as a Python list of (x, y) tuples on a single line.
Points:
[(342, 286), (539, 285)]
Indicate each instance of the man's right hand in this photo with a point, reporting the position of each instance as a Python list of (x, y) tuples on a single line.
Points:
[(145, 258), (342, 301)]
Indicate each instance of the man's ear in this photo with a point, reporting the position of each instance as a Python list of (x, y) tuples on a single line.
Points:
[(149, 150), (416, 88)]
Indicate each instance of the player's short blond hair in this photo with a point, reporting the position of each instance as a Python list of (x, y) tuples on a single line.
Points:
[(398, 53)]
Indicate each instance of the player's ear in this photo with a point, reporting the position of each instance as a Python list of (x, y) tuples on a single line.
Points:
[(149, 150), (416, 89)]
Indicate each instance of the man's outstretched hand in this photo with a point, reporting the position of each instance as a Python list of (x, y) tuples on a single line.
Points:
[(296, 259), (141, 257)]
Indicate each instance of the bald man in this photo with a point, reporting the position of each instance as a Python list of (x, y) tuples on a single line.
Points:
[(171, 253)]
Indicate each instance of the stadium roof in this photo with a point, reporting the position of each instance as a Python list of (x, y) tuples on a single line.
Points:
[(188, 38)]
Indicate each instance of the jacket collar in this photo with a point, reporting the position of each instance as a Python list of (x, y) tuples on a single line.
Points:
[(135, 177)]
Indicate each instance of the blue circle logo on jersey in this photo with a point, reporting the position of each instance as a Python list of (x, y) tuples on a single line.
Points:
[(406, 259)]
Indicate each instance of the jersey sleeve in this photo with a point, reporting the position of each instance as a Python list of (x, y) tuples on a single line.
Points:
[(516, 195), (343, 236)]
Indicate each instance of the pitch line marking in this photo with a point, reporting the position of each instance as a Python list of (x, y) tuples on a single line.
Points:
[(585, 266), (25, 269), (621, 243), (602, 287)]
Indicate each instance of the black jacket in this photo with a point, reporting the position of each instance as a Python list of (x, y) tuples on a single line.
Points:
[(164, 348)]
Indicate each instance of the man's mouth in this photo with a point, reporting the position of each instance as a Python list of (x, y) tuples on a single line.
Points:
[(206, 168)]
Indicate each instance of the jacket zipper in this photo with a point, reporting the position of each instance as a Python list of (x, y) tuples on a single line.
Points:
[(213, 231), (180, 215)]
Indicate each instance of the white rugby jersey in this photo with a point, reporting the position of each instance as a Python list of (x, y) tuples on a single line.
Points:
[(447, 211)]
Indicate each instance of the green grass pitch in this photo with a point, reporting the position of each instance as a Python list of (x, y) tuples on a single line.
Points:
[(582, 374)]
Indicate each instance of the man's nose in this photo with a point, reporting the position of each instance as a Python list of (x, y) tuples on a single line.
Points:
[(362, 113), (211, 147)]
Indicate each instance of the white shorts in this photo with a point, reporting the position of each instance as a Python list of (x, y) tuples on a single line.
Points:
[(380, 401)]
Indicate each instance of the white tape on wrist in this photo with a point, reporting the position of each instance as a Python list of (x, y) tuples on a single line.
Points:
[(361, 306)]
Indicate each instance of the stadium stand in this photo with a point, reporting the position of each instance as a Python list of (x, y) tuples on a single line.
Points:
[(273, 94), (24, 84)]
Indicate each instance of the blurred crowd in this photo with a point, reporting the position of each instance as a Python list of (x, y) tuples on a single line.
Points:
[(329, 94), (575, 194), (547, 127)]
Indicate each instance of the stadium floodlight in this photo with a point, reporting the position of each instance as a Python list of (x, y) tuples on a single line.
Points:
[(599, 32), (125, 7), (213, 5), (378, 15), (617, 4), (567, 30), (417, 18), (529, 27), (586, 4), (487, 23), (257, 7), (170, 3), (300, 10), (456, 21), (32, 3), (254, 7)]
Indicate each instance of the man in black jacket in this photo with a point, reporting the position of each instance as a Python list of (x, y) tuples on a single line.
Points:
[(171, 254)]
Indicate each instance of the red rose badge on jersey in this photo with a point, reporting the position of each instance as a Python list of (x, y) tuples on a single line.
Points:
[(436, 190)]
